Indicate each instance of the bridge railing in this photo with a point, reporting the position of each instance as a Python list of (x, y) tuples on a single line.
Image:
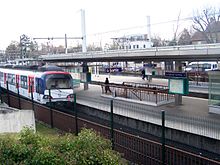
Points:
[(92, 54)]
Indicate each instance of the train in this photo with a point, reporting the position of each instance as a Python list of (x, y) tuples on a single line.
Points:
[(202, 66), (45, 84)]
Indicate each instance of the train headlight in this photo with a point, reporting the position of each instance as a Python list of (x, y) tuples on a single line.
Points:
[(47, 97), (70, 96)]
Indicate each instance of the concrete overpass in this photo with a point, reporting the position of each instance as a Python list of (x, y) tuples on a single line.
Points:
[(204, 52)]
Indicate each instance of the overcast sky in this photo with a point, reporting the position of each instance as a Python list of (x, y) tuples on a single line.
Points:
[(54, 18)]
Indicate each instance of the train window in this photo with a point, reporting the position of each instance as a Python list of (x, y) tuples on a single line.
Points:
[(61, 81), (24, 82), (11, 79), (215, 66), (41, 86)]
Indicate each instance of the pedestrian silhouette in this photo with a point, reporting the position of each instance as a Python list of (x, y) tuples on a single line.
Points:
[(107, 85), (143, 74)]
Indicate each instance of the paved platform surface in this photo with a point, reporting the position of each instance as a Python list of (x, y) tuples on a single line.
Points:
[(192, 116)]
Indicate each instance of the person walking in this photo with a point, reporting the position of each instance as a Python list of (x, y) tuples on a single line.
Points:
[(143, 73), (107, 86)]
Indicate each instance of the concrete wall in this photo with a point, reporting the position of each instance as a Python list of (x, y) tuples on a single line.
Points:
[(14, 121)]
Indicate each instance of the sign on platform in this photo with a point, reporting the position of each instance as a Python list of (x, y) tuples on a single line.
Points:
[(178, 86), (176, 74)]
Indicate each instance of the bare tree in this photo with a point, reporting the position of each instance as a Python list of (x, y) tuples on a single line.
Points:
[(174, 40), (206, 22), (12, 51), (157, 41), (177, 27), (185, 38)]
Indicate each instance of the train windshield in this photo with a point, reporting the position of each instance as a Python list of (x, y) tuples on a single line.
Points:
[(58, 81)]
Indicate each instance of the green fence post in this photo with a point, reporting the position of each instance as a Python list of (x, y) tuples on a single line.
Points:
[(112, 124), (163, 137), (51, 111), (76, 115), (8, 94), (19, 97)]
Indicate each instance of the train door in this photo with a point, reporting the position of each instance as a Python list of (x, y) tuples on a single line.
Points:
[(17, 81), (39, 88), (30, 85)]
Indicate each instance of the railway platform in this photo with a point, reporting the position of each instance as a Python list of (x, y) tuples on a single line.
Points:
[(192, 116)]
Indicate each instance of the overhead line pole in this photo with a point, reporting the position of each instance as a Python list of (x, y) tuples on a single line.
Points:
[(57, 38)]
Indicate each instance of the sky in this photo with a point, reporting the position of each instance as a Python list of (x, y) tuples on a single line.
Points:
[(104, 18)]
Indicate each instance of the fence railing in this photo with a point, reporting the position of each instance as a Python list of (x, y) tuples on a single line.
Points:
[(154, 94), (135, 148), (185, 122)]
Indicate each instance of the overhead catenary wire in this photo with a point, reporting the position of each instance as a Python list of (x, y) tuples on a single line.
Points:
[(143, 26)]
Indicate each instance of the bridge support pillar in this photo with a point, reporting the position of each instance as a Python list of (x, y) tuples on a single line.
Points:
[(178, 68), (168, 65)]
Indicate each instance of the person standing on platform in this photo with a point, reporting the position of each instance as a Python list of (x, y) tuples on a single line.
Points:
[(107, 85), (143, 73)]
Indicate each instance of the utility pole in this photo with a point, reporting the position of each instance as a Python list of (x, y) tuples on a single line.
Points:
[(148, 28), (84, 50), (83, 28)]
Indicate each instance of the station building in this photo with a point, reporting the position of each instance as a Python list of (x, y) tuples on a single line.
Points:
[(136, 41)]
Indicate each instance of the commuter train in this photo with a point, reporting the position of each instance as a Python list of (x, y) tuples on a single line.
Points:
[(40, 80), (201, 66)]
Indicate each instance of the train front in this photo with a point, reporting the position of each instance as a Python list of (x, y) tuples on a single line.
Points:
[(57, 86)]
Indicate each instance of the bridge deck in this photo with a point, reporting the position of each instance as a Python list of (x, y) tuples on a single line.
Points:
[(184, 52)]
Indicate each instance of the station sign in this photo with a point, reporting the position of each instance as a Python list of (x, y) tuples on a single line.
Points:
[(178, 83), (178, 86), (176, 74)]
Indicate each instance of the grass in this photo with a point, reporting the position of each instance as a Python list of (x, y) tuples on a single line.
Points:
[(42, 129), (46, 130)]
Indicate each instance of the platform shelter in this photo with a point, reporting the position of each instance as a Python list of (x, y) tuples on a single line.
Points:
[(214, 91)]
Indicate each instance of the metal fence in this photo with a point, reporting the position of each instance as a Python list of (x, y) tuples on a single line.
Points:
[(184, 122), (134, 148), (153, 94)]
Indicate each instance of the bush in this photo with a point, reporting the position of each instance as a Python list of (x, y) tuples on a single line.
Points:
[(33, 149)]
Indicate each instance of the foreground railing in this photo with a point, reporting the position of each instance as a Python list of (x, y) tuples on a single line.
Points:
[(134, 148)]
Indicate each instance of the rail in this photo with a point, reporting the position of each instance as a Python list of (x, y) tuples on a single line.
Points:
[(150, 93), (154, 49), (188, 52)]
